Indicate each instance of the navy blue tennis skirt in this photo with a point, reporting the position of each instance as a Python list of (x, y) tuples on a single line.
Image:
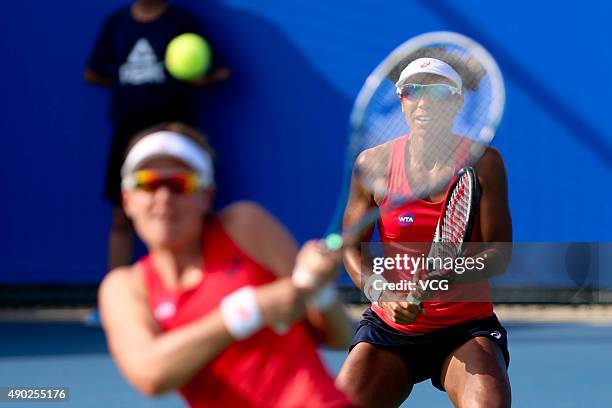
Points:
[(425, 354)]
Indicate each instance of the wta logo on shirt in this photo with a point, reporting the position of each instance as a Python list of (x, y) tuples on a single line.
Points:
[(405, 220)]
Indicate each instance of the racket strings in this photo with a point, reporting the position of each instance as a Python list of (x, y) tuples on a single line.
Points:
[(456, 216), (450, 232)]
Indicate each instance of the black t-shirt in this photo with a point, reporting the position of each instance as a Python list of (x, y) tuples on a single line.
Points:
[(132, 53)]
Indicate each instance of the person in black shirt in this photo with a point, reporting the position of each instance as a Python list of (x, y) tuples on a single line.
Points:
[(128, 56)]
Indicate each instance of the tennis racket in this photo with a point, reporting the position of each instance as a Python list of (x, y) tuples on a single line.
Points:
[(461, 118), (454, 228)]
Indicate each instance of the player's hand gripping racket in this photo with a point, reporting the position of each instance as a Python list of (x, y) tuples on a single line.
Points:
[(448, 112), (453, 230)]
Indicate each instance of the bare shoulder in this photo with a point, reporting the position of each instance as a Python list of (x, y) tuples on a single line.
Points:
[(259, 234), (120, 282), (372, 163), (241, 208), (380, 152), (491, 170), (491, 160), (243, 216)]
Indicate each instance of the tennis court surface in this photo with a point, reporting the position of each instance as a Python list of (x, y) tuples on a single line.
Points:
[(560, 363)]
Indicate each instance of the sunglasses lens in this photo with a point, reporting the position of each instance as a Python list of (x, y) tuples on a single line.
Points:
[(146, 180), (439, 92), (435, 92), (412, 91), (181, 183)]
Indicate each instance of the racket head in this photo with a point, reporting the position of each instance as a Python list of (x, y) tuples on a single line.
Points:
[(377, 118)]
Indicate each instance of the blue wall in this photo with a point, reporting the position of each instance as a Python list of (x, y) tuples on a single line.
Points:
[(279, 125)]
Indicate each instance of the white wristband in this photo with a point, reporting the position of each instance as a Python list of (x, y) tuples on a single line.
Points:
[(241, 313), (370, 291)]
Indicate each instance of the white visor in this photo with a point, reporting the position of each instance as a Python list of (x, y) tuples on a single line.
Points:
[(169, 144), (429, 66)]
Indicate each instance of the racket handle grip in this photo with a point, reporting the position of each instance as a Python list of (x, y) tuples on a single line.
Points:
[(411, 299)]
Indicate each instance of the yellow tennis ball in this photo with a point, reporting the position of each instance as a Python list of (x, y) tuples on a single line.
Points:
[(188, 57)]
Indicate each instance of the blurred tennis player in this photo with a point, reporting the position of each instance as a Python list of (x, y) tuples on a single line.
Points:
[(204, 311), (461, 346)]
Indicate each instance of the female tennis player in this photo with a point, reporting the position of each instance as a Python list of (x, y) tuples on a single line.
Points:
[(212, 310), (461, 346)]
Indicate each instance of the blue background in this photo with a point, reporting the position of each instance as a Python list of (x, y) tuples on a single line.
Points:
[(279, 125)]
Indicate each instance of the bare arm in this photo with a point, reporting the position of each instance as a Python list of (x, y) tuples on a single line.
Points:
[(332, 324), (372, 163), (268, 241), (494, 218), (361, 201), (152, 361), (102, 55)]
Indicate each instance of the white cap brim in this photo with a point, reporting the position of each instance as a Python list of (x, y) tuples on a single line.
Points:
[(429, 66)]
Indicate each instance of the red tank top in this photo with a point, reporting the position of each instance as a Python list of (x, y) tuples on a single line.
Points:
[(416, 222), (265, 370)]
